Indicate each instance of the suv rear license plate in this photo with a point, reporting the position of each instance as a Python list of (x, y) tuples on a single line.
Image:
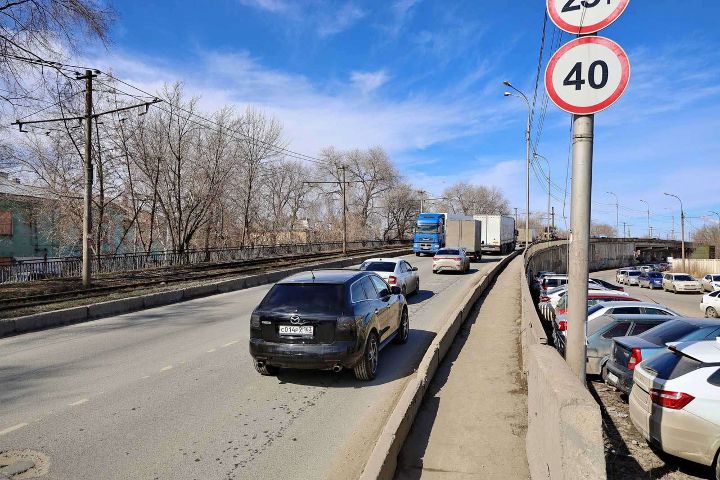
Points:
[(304, 330)]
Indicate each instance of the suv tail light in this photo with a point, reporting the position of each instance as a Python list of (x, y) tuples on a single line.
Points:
[(345, 328), (392, 280), (562, 325), (544, 298), (457, 259), (635, 358), (671, 400), (562, 311)]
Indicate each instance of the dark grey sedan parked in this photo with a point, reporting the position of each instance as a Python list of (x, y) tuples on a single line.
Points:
[(327, 319), (628, 352)]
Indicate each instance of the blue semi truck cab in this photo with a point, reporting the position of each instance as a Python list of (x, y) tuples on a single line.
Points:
[(429, 233)]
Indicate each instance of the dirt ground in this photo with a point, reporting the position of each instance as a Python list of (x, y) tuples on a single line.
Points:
[(627, 454)]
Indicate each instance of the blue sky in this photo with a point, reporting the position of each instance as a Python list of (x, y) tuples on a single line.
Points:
[(423, 79)]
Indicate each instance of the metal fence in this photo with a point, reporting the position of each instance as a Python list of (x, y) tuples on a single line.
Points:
[(66, 267)]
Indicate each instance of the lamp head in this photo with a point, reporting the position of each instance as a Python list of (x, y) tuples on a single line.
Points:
[(507, 84), (507, 94)]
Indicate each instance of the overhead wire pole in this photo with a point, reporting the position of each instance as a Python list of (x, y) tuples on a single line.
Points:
[(717, 251), (87, 197), (88, 118), (344, 195), (682, 228), (648, 215), (549, 194), (527, 159)]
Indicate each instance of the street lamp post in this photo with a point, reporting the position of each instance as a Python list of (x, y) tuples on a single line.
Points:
[(527, 159), (648, 212), (682, 227), (617, 214)]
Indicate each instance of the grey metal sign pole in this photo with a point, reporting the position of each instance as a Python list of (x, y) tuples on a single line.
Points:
[(579, 250)]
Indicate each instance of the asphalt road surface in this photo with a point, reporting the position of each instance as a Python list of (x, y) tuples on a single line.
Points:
[(687, 304), (171, 393)]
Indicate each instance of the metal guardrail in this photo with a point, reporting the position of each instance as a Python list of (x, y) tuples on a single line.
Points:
[(67, 267)]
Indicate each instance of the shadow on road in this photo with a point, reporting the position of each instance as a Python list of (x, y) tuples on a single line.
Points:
[(420, 297)]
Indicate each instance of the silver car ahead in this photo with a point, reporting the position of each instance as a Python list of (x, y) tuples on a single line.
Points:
[(451, 259)]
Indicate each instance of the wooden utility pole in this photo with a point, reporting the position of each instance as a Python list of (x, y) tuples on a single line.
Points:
[(87, 198)]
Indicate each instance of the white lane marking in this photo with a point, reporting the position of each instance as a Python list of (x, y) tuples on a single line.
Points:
[(164, 369), (145, 376), (79, 402), (211, 350), (229, 343), (13, 428)]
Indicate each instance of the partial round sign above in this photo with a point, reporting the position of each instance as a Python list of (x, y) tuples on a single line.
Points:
[(585, 16), (587, 75)]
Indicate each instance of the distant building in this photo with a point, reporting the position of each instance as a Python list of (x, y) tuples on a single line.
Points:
[(23, 230)]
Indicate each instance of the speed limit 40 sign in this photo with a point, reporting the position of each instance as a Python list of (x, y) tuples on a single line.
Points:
[(585, 16), (587, 75)]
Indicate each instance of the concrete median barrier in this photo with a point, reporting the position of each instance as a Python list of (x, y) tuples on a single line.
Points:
[(564, 438), (383, 459), (57, 318)]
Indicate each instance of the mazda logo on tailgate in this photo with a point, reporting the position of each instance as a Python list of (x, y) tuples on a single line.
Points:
[(295, 319)]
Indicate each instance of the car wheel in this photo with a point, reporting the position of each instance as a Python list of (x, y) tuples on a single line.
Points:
[(417, 287), (675, 290), (417, 254), (265, 369), (367, 366), (404, 291), (403, 328), (717, 465), (604, 373), (711, 312)]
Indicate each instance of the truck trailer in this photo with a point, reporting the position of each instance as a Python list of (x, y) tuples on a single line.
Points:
[(498, 233), (465, 234)]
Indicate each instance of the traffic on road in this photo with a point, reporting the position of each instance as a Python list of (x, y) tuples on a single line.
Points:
[(658, 344), (180, 382)]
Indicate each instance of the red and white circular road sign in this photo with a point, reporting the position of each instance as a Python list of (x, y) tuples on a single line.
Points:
[(585, 16), (587, 75)]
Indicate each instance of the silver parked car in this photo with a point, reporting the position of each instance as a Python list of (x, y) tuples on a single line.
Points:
[(452, 260), (601, 331)]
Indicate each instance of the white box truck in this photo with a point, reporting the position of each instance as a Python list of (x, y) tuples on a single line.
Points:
[(498, 233), (465, 234)]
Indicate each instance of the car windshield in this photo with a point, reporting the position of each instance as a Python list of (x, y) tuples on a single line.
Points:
[(655, 275), (684, 278), (447, 251), (305, 297), (716, 278), (672, 365), (594, 308), (378, 266), (426, 229), (667, 332), (634, 274)]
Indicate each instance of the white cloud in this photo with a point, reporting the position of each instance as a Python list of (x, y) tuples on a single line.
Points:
[(368, 82), (275, 6), (316, 115), (334, 22)]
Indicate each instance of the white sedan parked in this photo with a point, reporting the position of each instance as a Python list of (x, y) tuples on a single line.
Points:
[(711, 283), (710, 304), (675, 401), (396, 272)]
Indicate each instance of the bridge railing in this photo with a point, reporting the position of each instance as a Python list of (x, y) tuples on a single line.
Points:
[(68, 267)]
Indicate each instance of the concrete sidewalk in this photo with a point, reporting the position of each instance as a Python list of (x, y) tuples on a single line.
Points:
[(473, 420)]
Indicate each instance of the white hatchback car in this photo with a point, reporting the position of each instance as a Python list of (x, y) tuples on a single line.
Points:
[(396, 272), (675, 401), (710, 304), (711, 282)]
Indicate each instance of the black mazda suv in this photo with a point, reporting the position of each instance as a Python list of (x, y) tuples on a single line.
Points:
[(327, 320)]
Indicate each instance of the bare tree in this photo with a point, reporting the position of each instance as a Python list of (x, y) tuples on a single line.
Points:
[(469, 199), (602, 229)]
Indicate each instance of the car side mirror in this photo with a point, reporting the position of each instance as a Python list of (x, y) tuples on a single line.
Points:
[(414, 269), (393, 290)]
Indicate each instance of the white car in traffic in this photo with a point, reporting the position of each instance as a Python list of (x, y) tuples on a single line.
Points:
[(710, 304), (711, 282), (396, 272), (675, 401)]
